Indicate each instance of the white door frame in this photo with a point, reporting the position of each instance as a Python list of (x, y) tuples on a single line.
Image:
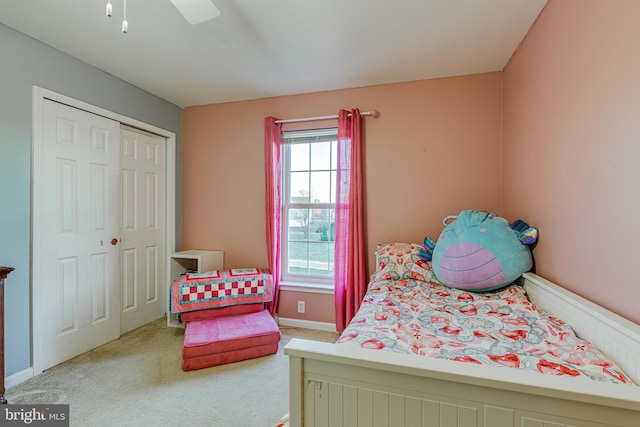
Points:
[(37, 244)]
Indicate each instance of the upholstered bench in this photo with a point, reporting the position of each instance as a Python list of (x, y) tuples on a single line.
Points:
[(230, 338), (212, 313)]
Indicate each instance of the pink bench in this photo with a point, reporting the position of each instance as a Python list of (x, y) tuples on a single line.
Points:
[(236, 333)]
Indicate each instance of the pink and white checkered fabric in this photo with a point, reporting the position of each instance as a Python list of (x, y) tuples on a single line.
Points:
[(197, 291)]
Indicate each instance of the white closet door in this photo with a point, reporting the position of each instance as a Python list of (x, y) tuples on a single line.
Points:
[(79, 220), (143, 223)]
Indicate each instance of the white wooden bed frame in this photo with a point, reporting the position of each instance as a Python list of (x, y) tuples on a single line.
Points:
[(341, 385)]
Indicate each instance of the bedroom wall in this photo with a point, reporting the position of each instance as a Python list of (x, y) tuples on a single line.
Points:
[(572, 144), (434, 150), (26, 62)]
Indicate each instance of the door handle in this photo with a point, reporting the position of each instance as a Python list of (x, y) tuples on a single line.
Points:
[(114, 242)]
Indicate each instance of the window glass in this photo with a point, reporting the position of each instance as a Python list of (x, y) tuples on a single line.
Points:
[(299, 187), (320, 191), (321, 156), (299, 157), (309, 180)]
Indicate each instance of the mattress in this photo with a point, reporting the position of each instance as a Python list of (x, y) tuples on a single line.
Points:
[(499, 328)]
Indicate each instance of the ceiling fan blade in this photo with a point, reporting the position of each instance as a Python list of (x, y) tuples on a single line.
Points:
[(196, 11)]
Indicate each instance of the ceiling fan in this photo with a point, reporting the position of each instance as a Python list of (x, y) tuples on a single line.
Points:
[(196, 11)]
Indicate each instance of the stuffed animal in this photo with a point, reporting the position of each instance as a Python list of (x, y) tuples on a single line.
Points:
[(479, 251)]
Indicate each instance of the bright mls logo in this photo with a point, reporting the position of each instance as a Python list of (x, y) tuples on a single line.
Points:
[(36, 415)]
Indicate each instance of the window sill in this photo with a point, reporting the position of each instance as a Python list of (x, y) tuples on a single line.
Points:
[(316, 288)]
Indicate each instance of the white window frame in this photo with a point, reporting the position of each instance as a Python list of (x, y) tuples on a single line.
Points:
[(300, 282)]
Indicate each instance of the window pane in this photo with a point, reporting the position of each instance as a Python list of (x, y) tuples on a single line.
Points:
[(321, 156), (309, 178), (320, 262), (299, 224), (299, 187), (299, 157), (298, 258), (320, 187), (320, 227)]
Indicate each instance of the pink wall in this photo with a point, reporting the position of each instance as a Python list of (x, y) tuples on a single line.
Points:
[(571, 147), (318, 307), (434, 151)]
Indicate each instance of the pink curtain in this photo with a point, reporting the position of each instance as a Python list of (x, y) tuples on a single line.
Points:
[(350, 268), (273, 193)]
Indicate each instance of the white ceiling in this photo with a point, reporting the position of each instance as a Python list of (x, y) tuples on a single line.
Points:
[(265, 48)]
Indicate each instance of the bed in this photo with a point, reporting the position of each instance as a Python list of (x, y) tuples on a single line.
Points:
[(369, 378)]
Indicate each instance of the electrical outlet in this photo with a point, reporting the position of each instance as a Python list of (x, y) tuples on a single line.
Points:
[(300, 306)]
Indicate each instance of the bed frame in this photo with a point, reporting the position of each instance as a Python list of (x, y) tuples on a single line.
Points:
[(340, 385)]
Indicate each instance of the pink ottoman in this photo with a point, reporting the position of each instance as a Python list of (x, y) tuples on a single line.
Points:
[(210, 313), (221, 340)]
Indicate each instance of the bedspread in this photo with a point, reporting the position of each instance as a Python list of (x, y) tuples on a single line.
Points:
[(198, 291), (498, 328)]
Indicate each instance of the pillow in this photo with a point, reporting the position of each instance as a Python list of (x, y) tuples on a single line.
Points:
[(480, 251), (395, 261)]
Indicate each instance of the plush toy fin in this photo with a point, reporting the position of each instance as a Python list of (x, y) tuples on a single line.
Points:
[(528, 236), (518, 226), (427, 253)]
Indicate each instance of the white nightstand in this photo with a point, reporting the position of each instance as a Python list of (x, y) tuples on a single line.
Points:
[(192, 260)]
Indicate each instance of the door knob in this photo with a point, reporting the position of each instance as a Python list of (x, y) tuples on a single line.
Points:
[(114, 242)]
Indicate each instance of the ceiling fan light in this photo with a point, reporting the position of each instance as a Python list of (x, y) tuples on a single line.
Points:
[(125, 24), (196, 11)]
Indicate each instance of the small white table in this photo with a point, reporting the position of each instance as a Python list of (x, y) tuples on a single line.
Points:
[(195, 260)]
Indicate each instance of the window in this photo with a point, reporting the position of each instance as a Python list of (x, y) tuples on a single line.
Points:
[(308, 196)]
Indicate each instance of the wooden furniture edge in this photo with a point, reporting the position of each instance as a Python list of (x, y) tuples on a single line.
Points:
[(4, 272)]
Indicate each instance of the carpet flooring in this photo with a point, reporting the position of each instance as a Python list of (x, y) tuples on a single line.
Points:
[(136, 380)]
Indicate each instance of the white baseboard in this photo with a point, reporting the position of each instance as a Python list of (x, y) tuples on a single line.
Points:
[(18, 377), (307, 324)]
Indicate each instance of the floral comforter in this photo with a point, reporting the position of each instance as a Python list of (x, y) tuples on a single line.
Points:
[(498, 328)]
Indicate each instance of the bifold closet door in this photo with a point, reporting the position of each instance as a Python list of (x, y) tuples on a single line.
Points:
[(77, 303), (143, 224)]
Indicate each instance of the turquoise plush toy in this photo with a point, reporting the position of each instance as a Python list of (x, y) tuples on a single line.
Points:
[(479, 251)]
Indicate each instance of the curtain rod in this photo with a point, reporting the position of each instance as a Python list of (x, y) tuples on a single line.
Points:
[(372, 113)]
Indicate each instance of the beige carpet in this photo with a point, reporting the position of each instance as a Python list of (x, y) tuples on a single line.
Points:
[(137, 381)]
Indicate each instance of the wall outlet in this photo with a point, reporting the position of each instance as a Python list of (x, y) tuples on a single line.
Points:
[(300, 306)]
